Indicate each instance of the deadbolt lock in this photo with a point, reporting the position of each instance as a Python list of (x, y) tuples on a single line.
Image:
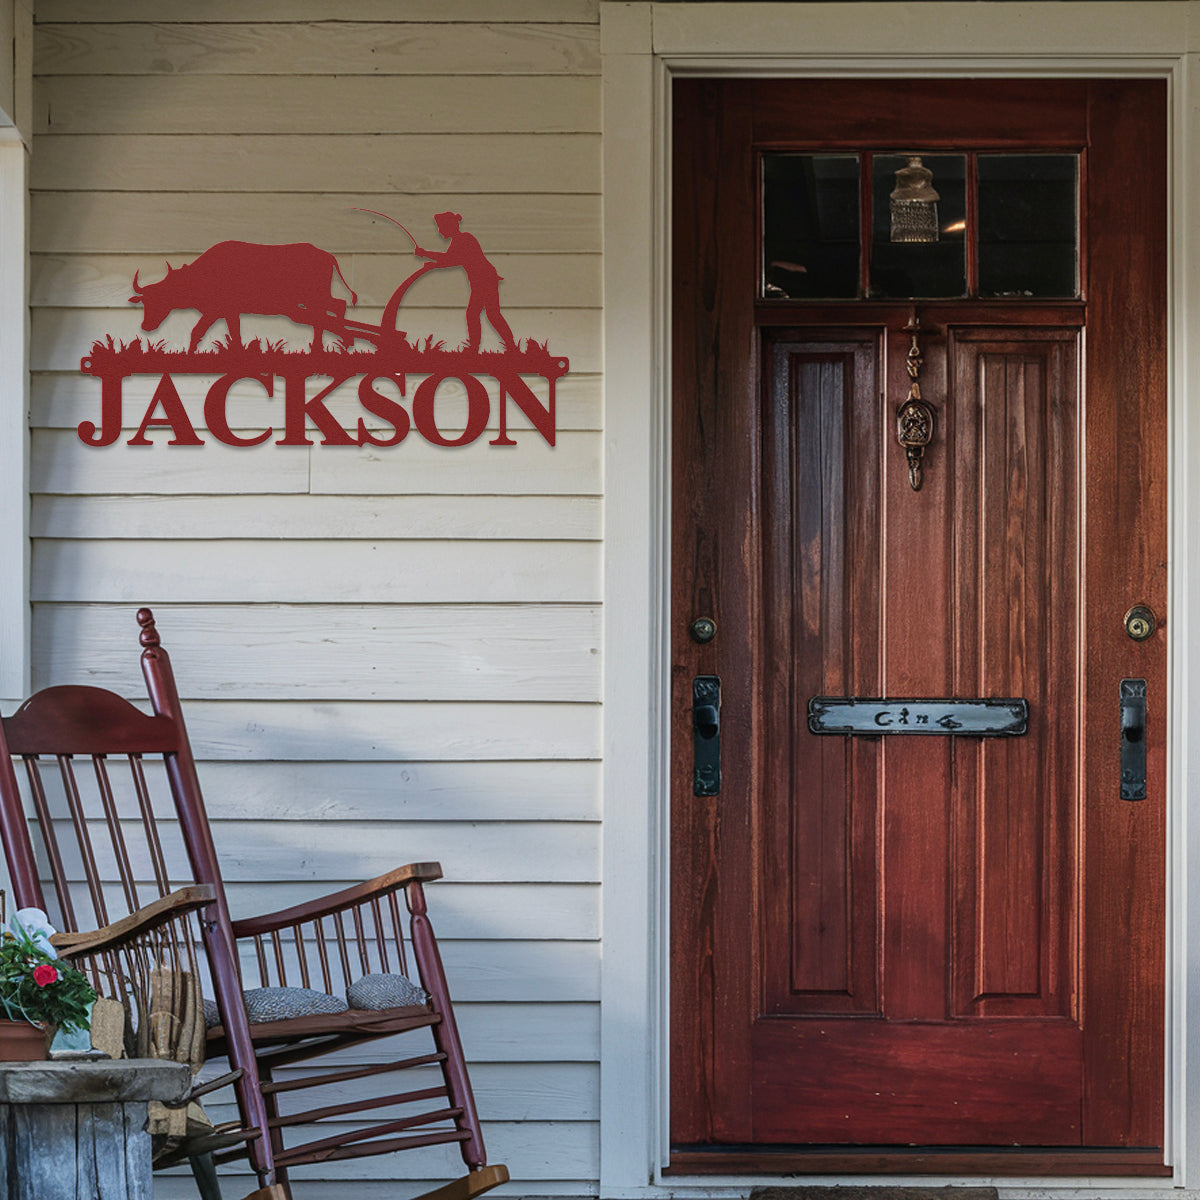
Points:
[(703, 629), (1140, 622)]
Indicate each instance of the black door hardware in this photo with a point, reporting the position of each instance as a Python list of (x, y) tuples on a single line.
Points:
[(706, 735), (1133, 739)]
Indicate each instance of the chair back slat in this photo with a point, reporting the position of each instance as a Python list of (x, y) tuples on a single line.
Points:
[(149, 825), (339, 928), (83, 837), (397, 930), (112, 818), (277, 946), (380, 935), (360, 941), (260, 954), (49, 837), (322, 952), (302, 959)]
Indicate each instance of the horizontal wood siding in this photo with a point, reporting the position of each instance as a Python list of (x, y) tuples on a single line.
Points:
[(386, 654)]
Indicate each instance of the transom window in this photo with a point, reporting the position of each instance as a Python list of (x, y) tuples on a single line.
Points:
[(914, 225)]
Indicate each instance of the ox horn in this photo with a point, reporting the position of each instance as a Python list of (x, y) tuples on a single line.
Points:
[(136, 288)]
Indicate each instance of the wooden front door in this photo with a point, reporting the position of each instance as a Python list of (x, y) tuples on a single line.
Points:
[(903, 952)]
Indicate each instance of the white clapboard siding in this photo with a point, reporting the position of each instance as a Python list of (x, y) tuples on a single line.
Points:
[(530, 280), (508, 1092), (358, 571), (365, 48), (62, 464), (152, 104), (386, 654), (315, 792), (60, 337), (233, 12), (200, 518), (510, 912), (165, 224), (403, 791), (61, 400), (409, 652), (360, 731), (499, 972), (542, 911), (296, 851), (539, 1032), (466, 164), (573, 464)]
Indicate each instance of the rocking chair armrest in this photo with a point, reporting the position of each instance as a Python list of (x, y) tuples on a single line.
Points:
[(349, 897), (159, 912)]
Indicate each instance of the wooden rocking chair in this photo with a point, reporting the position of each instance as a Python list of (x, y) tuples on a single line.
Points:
[(77, 778)]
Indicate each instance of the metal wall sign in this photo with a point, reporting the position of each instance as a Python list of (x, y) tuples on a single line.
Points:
[(965, 718), (303, 284)]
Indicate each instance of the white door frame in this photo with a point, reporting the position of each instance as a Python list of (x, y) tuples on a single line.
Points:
[(644, 46)]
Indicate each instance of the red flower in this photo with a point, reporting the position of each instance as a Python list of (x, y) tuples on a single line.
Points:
[(45, 974)]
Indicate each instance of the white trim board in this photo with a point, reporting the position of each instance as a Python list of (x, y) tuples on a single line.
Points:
[(644, 45), (14, 425)]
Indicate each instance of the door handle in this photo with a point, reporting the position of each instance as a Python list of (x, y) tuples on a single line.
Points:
[(706, 735), (1133, 739)]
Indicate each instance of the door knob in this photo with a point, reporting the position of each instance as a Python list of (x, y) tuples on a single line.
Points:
[(1140, 622)]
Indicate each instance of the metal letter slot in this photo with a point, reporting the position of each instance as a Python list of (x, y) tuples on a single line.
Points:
[(1133, 739), (706, 735), (875, 717)]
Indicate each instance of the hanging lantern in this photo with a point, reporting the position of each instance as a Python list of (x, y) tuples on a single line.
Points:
[(914, 204)]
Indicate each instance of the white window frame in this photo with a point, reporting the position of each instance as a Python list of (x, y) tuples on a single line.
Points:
[(644, 46)]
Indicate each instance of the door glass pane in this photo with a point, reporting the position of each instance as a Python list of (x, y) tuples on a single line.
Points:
[(810, 226), (926, 268), (1028, 219)]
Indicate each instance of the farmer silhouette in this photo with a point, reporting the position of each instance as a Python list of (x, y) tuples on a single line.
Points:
[(465, 251)]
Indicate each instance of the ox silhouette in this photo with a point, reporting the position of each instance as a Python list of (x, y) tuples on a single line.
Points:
[(232, 278)]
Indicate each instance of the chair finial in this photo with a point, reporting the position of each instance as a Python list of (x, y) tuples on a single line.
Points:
[(149, 635)]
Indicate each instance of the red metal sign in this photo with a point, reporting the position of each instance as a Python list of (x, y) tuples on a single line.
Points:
[(232, 280)]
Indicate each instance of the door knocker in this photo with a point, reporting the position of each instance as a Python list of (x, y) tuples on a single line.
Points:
[(914, 418)]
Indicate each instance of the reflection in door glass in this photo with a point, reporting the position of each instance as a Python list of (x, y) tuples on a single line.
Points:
[(919, 268), (1028, 214), (810, 226)]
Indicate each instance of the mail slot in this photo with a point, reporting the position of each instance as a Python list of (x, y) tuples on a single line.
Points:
[(877, 717)]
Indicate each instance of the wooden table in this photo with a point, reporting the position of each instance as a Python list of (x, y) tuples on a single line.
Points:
[(77, 1130)]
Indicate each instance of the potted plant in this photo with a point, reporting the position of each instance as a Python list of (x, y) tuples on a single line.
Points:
[(38, 993)]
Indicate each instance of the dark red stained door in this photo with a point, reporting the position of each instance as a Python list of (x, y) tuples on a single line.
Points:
[(918, 942)]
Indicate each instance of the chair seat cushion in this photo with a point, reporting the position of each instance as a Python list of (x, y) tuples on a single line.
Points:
[(374, 993), (279, 1004), (283, 1003), (371, 993)]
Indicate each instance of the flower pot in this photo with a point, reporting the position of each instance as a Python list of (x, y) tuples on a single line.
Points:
[(21, 1042)]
